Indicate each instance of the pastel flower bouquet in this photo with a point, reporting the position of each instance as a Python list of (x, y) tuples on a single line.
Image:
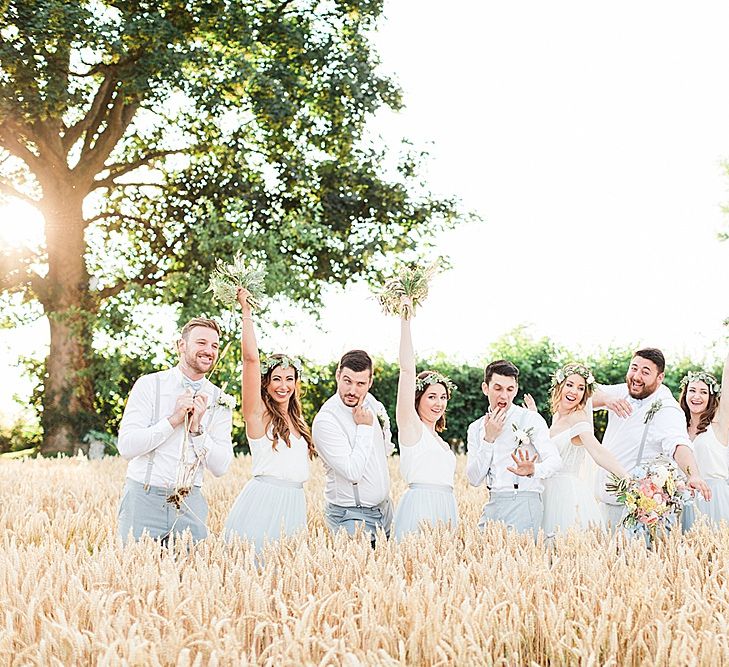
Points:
[(654, 496)]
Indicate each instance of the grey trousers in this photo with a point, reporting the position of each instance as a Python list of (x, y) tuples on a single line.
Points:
[(370, 518), (520, 510), (147, 510)]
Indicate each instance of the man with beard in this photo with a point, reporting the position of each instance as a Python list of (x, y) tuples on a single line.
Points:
[(352, 436), (170, 414), (644, 421)]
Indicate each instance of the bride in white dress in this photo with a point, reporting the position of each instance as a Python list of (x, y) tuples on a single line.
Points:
[(568, 497)]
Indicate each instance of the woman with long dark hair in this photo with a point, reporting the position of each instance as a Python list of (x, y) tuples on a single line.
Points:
[(426, 461), (272, 503), (707, 419)]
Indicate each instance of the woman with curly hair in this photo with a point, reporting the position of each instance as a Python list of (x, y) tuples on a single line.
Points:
[(707, 419), (272, 503), (426, 461), (568, 497)]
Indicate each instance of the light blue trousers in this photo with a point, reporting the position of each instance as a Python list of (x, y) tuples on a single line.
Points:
[(370, 518), (520, 510), (147, 510)]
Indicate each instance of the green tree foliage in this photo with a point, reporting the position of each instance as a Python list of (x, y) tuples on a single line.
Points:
[(156, 137)]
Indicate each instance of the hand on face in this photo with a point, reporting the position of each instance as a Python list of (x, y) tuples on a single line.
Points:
[(494, 424), (362, 415)]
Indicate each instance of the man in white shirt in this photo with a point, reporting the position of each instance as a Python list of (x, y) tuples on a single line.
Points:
[(352, 436), (644, 420), (509, 449), (152, 437)]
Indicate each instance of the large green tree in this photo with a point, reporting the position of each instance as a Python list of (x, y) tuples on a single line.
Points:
[(158, 135)]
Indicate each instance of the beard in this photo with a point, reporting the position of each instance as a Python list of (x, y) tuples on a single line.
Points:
[(643, 391)]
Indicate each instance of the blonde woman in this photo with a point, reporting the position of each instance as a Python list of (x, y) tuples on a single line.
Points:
[(568, 498), (272, 503)]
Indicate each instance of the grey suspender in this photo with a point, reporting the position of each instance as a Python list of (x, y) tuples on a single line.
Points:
[(355, 488), (155, 419)]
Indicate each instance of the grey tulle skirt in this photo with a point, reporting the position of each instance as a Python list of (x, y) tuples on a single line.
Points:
[(716, 509), (424, 503), (266, 509)]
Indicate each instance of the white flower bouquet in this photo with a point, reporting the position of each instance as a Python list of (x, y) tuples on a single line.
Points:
[(227, 278), (411, 281)]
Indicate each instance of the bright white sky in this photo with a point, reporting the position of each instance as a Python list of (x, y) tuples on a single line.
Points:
[(589, 137)]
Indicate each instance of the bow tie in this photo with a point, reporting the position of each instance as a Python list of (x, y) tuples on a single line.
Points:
[(195, 385)]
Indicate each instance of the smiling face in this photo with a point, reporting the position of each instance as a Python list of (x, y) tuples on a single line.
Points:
[(280, 384), (198, 351), (500, 390), (432, 404), (643, 377), (697, 396), (572, 393), (352, 386)]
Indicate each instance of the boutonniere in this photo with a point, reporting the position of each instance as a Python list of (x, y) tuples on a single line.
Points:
[(382, 418), (226, 401), (655, 407), (522, 437)]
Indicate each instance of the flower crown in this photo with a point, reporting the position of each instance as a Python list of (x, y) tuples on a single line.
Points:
[(707, 378), (269, 363), (435, 377), (561, 374)]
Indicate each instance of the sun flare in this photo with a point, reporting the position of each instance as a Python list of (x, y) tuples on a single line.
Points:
[(21, 225)]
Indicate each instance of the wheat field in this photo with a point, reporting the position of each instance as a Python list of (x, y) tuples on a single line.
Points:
[(71, 595)]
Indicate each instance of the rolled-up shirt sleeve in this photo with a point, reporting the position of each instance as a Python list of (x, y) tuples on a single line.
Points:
[(670, 425), (137, 436), (333, 445), (479, 454), (216, 442)]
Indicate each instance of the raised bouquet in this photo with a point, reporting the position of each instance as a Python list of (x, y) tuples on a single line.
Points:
[(654, 496), (411, 281), (227, 278)]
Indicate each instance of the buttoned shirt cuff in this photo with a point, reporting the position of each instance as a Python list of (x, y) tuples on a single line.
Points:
[(164, 428), (541, 471)]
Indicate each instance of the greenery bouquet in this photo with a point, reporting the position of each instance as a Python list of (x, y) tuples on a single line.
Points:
[(410, 281), (227, 278)]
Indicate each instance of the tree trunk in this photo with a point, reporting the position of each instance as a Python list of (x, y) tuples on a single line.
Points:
[(68, 396)]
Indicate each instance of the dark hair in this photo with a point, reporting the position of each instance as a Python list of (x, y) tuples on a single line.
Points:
[(500, 367), (356, 360), (276, 420), (653, 354), (707, 416), (199, 322), (440, 425)]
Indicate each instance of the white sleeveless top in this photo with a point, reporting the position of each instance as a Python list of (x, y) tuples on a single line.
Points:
[(573, 456), (711, 455), (428, 462), (288, 463)]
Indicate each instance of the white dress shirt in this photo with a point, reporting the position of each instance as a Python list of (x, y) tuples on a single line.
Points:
[(490, 459), (623, 435), (353, 452), (138, 435)]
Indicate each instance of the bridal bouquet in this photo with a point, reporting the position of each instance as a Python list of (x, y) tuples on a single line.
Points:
[(227, 278), (654, 496), (410, 281)]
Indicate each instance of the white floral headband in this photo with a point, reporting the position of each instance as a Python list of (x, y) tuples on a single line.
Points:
[(269, 363), (709, 380), (436, 378), (561, 374)]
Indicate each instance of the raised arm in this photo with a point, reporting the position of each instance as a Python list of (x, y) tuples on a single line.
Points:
[(409, 426), (722, 414), (253, 408)]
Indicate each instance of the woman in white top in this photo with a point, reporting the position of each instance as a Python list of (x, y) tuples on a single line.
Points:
[(568, 498), (272, 503), (707, 419), (426, 461)]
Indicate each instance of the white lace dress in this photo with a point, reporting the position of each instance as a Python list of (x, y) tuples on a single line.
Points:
[(568, 497)]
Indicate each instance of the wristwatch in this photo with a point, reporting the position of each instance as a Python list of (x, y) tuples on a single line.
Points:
[(194, 434)]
